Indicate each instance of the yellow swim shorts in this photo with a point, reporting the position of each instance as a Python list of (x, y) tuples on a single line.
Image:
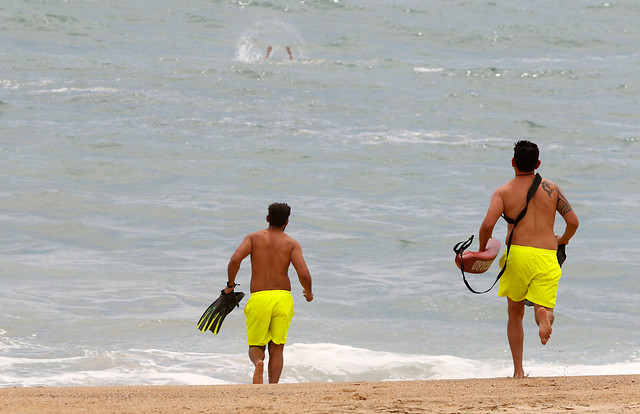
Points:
[(532, 274), (268, 314)]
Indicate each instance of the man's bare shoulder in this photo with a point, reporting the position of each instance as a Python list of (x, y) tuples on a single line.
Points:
[(260, 232), (509, 192), (256, 236), (290, 242), (289, 239), (550, 188), (505, 188), (253, 235), (265, 233)]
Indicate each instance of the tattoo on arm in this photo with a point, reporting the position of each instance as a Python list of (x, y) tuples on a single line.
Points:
[(563, 204), (548, 188)]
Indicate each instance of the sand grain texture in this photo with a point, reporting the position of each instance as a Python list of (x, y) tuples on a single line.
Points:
[(590, 394)]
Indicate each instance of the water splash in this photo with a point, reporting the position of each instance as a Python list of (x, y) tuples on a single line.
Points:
[(252, 45)]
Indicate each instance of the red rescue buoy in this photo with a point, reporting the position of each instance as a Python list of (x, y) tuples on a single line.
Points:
[(479, 262)]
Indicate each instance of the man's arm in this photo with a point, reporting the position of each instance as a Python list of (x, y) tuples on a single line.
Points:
[(570, 218), (496, 207), (238, 256), (303, 272)]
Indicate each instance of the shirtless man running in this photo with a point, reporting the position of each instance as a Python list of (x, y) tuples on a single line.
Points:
[(270, 308), (533, 271)]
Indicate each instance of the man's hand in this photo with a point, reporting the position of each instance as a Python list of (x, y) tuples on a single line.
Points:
[(307, 295)]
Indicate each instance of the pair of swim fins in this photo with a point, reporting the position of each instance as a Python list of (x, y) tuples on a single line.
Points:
[(213, 317)]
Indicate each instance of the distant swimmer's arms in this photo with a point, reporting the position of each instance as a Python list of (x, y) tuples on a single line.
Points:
[(270, 49), (571, 219)]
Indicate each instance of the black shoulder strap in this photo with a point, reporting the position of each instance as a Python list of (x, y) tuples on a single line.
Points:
[(462, 246)]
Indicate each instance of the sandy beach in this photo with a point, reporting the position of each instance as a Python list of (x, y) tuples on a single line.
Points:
[(590, 394)]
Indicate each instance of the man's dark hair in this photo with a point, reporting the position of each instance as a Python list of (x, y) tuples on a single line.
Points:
[(526, 154), (278, 214)]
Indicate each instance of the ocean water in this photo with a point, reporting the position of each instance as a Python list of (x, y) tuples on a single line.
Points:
[(140, 141)]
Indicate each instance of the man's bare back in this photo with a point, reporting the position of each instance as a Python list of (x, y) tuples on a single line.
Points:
[(272, 251), (537, 227)]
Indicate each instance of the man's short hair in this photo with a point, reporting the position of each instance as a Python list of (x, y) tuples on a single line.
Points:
[(278, 214), (525, 154)]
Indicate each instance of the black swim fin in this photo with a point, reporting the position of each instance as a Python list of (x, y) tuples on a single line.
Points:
[(562, 254), (207, 317), (213, 317)]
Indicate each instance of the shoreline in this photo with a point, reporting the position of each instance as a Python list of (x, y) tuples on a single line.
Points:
[(586, 394)]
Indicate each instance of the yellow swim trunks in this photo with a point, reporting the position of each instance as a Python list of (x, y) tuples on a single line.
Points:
[(268, 314), (532, 274)]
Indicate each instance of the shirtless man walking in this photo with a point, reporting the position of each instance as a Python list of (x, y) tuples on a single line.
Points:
[(533, 271), (270, 308)]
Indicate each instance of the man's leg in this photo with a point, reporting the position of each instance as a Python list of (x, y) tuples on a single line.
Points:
[(256, 355), (515, 334), (276, 362), (544, 319)]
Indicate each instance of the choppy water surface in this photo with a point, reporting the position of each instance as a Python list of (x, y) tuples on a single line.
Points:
[(140, 142)]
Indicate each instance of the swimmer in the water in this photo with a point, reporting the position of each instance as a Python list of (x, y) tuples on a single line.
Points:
[(269, 49)]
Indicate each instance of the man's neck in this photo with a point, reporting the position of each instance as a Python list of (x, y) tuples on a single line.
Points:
[(521, 174)]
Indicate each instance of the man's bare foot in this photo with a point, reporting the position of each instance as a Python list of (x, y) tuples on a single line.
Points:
[(519, 375), (544, 325), (258, 374)]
